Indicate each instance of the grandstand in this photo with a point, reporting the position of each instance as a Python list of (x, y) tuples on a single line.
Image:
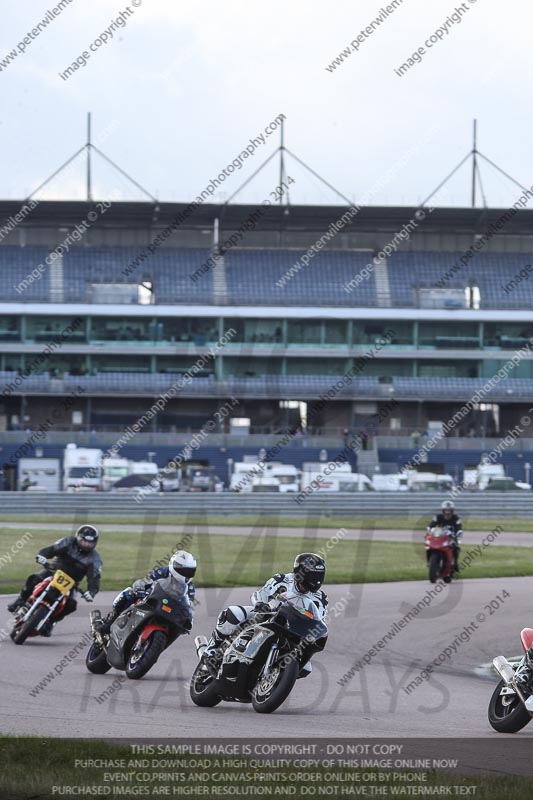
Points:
[(144, 322)]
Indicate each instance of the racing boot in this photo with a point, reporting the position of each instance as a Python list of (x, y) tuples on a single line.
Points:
[(103, 626), (15, 605), (213, 652), (524, 673)]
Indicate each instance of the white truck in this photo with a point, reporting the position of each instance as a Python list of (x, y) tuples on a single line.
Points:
[(249, 476), (395, 482), (341, 479), (82, 469), (39, 475), (113, 469)]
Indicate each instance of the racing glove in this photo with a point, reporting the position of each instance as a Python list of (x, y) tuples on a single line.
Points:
[(41, 560), (262, 608)]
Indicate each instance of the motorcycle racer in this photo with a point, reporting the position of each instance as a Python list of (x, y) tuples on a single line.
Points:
[(182, 566), (308, 574), (76, 555), (447, 518)]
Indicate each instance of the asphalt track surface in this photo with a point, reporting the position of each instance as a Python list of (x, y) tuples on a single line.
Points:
[(372, 704), (505, 538)]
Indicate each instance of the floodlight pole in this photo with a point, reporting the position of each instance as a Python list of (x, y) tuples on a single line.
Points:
[(89, 145), (281, 162), (474, 164)]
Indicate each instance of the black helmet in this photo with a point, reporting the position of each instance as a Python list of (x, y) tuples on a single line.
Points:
[(86, 537), (309, 572)]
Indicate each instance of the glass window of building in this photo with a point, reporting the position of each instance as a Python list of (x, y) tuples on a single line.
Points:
[(449, 335), (187, 330), (336, 331), (45, 328), (242, 367), (448, 369), (507, 335), (302, 331), (181, 365), (398, 332), (101, 363), (9, 329), (126, 330)]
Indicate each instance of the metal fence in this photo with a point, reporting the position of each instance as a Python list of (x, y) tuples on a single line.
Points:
[(339, 504)]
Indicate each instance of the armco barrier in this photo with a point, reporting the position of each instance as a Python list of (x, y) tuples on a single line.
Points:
[(342, 504)]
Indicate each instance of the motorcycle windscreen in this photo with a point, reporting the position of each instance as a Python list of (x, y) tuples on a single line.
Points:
[(169, 601)]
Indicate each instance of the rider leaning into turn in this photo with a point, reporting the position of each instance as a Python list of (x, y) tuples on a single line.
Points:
[(306, 579), (447, 518), (182, 567), (75, 555)]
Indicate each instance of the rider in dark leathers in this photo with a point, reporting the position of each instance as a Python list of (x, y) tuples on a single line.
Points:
[(75, 555)]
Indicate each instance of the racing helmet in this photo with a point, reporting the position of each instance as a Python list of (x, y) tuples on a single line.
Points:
[(182, 565), (87, 537), (447, 508), (309, 572)]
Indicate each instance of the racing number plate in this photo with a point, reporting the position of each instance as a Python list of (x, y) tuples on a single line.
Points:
[(62, 582)]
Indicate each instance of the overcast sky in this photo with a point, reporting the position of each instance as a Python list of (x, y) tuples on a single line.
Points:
[(179, 91)]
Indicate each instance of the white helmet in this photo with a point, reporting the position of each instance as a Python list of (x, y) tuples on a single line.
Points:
[(182, 565), (448, 505)]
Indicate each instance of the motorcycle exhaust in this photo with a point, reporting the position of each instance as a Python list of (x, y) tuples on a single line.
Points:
[(200, 642), (504, 669), (506, 672)]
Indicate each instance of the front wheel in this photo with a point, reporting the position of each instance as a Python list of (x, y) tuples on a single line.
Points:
[(144, 654), (19, 635), (96, 660), (273, 689), (434, 566), (203, 689), (507, 713)]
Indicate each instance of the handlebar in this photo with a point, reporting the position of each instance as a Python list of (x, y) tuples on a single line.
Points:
[(52, 568)]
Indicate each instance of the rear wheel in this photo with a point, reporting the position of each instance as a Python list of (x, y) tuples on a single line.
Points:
[(434, 566), (203, 689), (96, 660), (20, 635), (507, 713), (144, 654), (273, 689)]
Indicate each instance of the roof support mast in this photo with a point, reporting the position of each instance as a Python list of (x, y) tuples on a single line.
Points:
[(89, 188), (474, 164)]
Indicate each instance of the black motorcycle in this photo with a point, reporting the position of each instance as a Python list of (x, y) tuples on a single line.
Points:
[(140, 634), (261, 662)]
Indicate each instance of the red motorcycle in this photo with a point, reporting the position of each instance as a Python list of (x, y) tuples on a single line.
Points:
[(45, 605), (511, 704), (439, 554)]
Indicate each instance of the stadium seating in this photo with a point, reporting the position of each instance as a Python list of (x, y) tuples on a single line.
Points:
[(263, 276), (169, 269), (490, 272), (16, 265), (254, 276)]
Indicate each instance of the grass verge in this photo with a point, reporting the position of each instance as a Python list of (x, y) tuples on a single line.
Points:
[(234, 560), (53, 774)]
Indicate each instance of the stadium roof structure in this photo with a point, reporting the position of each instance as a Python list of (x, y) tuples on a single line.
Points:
[(50, 213)]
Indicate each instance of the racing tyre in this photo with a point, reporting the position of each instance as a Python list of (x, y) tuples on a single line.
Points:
[(203, 688), (434, 567), (507, 713), (20, 635), (144, 654), (96, 660), (270, 692)]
